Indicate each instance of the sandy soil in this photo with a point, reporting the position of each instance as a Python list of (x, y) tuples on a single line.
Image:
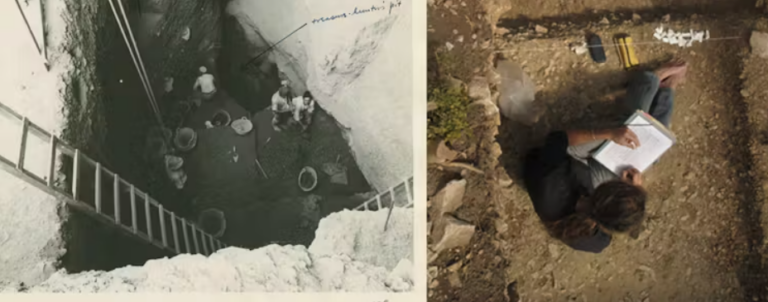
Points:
[(703, 236)]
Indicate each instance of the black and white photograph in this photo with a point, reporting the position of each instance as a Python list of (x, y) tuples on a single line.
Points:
[(187, 146)]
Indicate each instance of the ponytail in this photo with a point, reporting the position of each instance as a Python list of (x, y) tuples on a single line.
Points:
[(616, 206), (572, 228)]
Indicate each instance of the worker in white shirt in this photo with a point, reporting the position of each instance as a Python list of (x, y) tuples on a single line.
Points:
[(282, 109), (303, 107), (205, 84)]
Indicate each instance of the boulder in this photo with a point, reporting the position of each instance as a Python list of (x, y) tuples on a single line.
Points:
[(445, 153), (759, 43), (517, 94), (438, 152), (450, 197), (478, 89), (454, 280), (457, 233), (485, 106), (455, 83)]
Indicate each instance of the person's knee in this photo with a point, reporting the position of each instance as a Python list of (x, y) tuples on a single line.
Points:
[(645, 79)]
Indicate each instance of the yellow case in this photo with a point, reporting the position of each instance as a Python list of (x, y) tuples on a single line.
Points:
[(626, 51)]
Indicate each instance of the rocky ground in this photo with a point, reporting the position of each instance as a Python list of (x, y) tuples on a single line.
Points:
[(703, 237)]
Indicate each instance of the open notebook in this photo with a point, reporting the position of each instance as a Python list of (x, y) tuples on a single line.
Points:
[(655, 140)]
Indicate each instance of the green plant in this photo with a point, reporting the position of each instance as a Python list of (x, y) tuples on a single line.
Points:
[(449, 120)]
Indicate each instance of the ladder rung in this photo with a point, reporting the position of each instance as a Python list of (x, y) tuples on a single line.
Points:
[(116, 190), (175, 233), (97, 189), (408, 192), (23, 144), (52, 161), (203, 241), (148, 216), (134, 223), (392, 196), (163, 236), (76, 176), (186, 237), (194, 238)]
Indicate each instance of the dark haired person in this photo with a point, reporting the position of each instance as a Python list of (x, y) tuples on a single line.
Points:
[(581, 202), (304, 107)]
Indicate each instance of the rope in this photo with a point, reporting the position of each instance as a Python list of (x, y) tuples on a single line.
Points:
[(633, 43), (137, 62), (141, 62), (271, 47)]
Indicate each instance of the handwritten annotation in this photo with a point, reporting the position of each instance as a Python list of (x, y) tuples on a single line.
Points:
[(360, 11)]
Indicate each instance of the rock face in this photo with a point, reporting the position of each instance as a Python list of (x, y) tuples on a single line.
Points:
[(346, 255), (518, 94), (176, 37), (458, 233), (358, 67), (759, 43), (478, 88)]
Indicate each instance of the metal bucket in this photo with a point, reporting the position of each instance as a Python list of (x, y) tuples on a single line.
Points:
[(307, 179), (221, 118), (213, 222), (185, 139)]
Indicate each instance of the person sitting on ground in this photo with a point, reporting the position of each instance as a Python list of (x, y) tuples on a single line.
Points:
[(282, 109), (206, 84), (303, 107), (580, 201)]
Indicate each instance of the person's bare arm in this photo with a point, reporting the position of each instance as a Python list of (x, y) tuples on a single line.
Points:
[(622, 136), (274, 102), (311, 106), (578, 137), (197, 84)]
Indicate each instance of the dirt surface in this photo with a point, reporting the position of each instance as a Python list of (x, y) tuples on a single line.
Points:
[(524, 9), (699, 224), (703, 236), (454, 21)]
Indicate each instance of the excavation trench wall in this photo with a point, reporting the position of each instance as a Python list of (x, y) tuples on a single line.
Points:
[(357, 67), (110, 115)]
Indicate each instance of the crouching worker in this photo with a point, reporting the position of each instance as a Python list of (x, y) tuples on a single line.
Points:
[(205, 84), (303, 107), (281, 107), (580, 203)]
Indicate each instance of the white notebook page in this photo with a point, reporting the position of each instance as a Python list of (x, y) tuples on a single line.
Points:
[(653, 143)]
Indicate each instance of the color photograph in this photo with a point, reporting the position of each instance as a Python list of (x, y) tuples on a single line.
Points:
[(597, 150)]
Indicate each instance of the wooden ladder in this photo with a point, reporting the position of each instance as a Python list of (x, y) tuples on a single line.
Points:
[(127, 209), (400, 195)]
